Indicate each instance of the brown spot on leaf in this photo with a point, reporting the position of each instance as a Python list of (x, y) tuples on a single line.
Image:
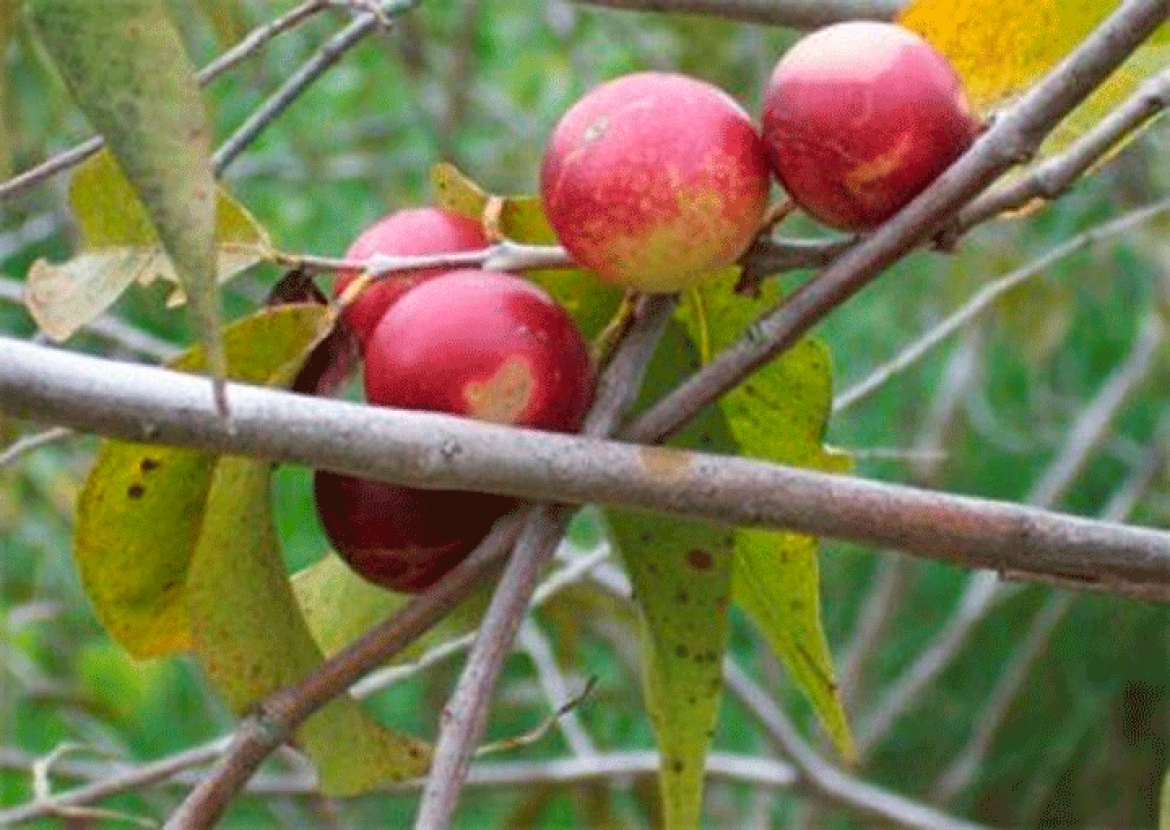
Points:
[(504, 396), (135, 491), (149, 464), (700, 560)]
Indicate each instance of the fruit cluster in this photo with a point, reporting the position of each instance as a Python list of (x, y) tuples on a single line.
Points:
[(650, 181)]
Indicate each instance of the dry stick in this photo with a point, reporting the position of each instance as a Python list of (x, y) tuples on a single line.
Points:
[(434, 451), (824, 779), (282, 712), (965, 766), (984, 589), (363, 24), (722, 766), (800, 14), (465, 714), (986, 297), (23, 446), (1010, 140), (535, 644), (246, 47)]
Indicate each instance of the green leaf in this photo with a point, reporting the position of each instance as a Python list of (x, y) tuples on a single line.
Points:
[(339, 606), (681, 573), (591, 302), (125, 65), (779, 414), (9, 20), (140, 512), (119, 246), (251, 638)]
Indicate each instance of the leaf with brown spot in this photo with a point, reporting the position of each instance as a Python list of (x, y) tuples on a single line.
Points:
[(141, 510), (681, 572), (779, 414)]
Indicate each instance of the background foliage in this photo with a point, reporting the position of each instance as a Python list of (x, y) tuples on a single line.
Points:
[(480, 84)]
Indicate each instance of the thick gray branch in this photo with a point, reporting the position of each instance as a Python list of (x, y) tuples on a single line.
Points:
[(799, 14), (420, 449)]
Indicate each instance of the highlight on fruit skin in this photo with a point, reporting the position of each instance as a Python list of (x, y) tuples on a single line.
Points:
[(654, 180), (859, 118), (408, 232), (481, 344)]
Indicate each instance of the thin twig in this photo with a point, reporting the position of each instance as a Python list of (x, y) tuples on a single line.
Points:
[(983, 590), (332, 51), (555, 687), (251, 43), (1058, 173), (986, 297), (18, 449), (1011, 139), (492, 775), (465, 714)]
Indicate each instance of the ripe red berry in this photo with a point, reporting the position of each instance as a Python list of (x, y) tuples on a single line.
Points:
[(483, 344), (401, 538), (859, 118), (411, 232), (477, 343), (655, 179)]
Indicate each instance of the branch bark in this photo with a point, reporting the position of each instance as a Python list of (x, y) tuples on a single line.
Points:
[(148, 404), (799, 14)]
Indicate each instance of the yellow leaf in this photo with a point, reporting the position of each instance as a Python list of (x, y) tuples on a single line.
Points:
[(1000, 47)]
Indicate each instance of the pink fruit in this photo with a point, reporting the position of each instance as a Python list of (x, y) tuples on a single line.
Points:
[(859, 118), (411, 232), (654, 179)]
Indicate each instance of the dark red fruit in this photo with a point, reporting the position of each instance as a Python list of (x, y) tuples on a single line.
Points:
[(477, 343), (859, 118), (412, 232), (401, 538), (483, 344)]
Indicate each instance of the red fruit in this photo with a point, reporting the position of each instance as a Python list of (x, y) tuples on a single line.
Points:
[(653, 180), (476, 343), (483, 344), (400, 538), (412, 232), (859, 118)]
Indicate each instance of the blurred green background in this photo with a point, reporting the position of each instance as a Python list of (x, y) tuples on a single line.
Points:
[(1083, 741)]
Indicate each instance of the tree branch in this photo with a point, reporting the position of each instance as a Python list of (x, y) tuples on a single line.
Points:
[(800, 14), (983, 590), (1012, 138), (420, 449)]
